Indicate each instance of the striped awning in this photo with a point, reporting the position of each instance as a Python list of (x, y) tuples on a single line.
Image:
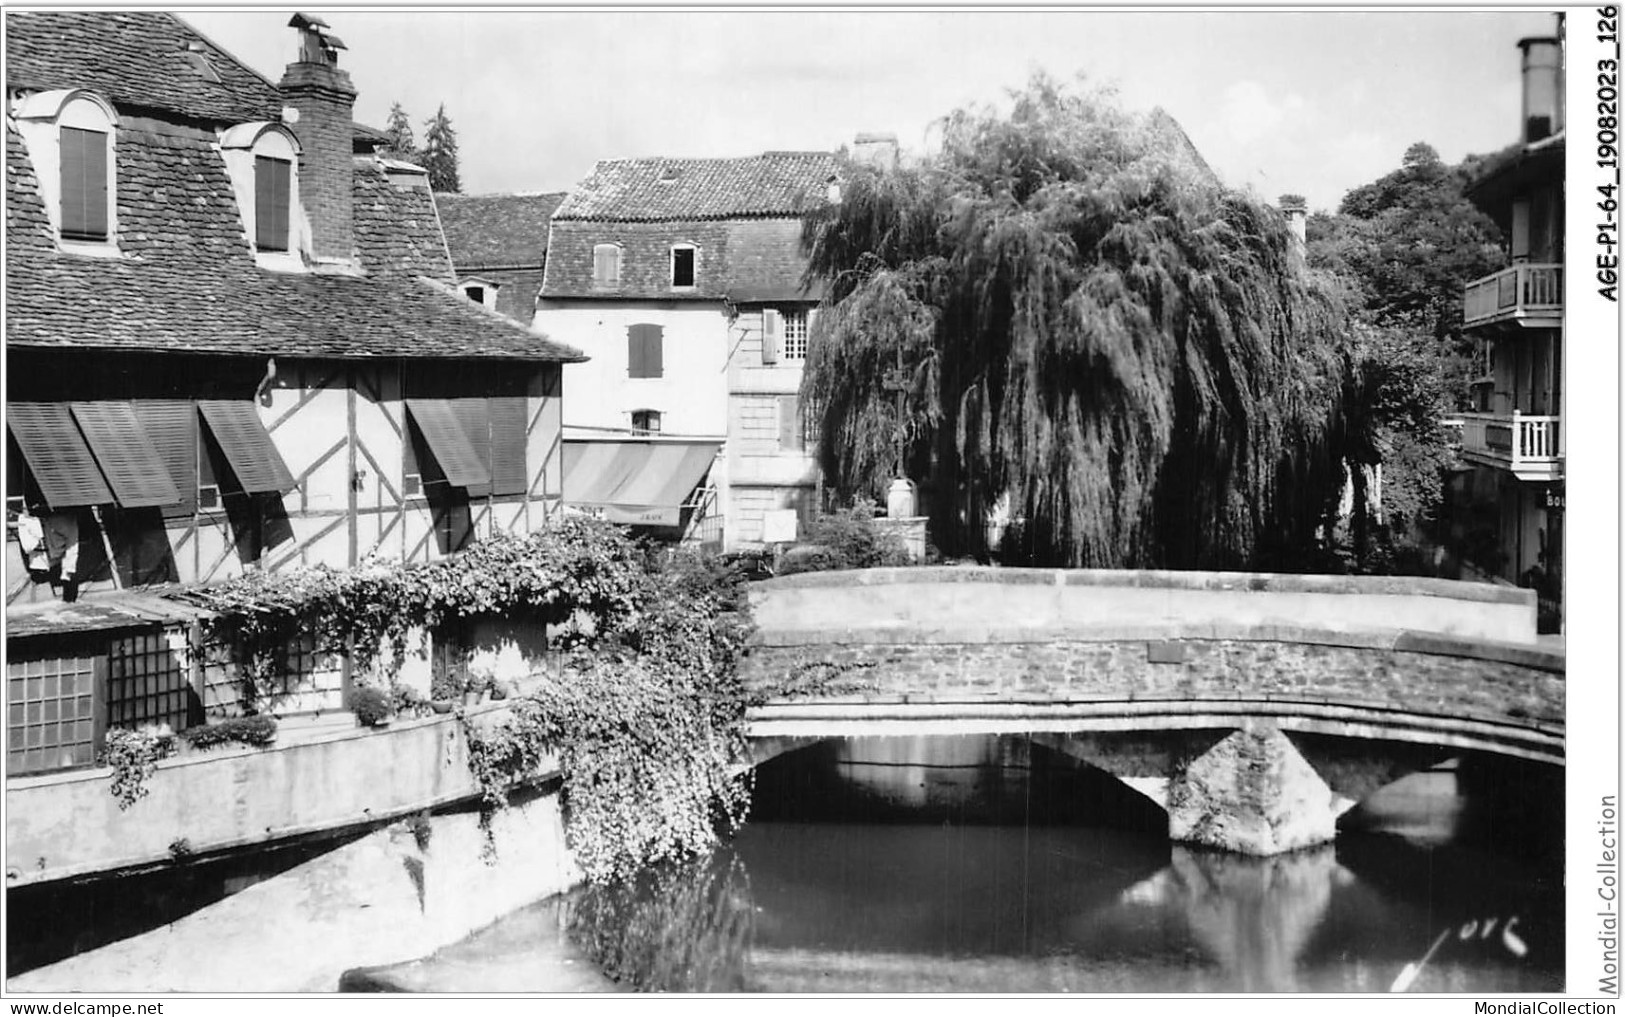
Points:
[(247, 445), (56, 452), (640, 482)]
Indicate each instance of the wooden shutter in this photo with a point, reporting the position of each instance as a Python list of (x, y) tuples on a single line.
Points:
[(508, 419), (443, 433), (644, 354), (171, 426), (790, 423), (770, 336), (474, 416), (606, 266), (271, 197), (84, 184), (246, 445), (61, 462), (126, 455)]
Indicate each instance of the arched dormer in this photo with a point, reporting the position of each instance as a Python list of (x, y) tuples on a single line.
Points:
[(72, 140), (262, 159)]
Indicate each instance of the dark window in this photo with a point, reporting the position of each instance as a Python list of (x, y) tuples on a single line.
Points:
[(272, 178), (682, 266), (645, 357), (475, 293), (646, 421), (84, 184)]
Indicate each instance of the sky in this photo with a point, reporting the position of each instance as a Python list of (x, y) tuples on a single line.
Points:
[(1312, 102)]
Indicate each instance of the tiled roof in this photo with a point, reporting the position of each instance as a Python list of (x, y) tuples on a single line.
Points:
[(492, 230), (135, 58), (655, 190), (396, 229), (186, 280)]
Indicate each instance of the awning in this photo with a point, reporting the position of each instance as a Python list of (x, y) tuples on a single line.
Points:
[(639, 482), (57, 455), (128, 457), (459, 460), (247, 445)]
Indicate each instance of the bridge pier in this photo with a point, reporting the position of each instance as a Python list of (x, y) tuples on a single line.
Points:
[(1252, 792)]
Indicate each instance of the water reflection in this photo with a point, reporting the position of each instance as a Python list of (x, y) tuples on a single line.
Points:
[(992, 865)]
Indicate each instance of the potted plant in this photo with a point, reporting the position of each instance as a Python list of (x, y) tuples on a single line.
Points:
[(444, 691), (372, 707)]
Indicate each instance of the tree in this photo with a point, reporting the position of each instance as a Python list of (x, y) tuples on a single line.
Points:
[(401, 144), (1407, 244), (1087, 322), (439, 153)]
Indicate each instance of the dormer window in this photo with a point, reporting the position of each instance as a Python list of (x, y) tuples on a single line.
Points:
[(684, 261), (263, 161), (71, 136), (479, 291), (272, 179), (606, 266)]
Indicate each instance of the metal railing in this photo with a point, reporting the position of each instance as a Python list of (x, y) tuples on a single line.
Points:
[(1514, 292)]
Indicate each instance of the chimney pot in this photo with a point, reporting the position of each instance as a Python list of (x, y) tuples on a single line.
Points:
[(1543, 113)]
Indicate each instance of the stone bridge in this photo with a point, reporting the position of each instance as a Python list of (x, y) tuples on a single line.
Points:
[(1254, 709)]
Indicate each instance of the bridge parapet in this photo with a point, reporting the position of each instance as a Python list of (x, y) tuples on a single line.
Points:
[(1056, 601)]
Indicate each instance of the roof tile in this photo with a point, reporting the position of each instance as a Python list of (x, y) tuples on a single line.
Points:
[(655, 190), (497, 230)]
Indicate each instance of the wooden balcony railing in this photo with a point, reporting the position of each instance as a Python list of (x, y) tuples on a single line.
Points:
[(1528, 446), (1526, 292)]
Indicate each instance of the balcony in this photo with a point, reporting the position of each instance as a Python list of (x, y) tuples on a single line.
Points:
[(1527, 296), (1525, 446)]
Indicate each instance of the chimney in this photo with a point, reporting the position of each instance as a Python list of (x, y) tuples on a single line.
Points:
[(324, 102), (1296, 209), (876, 150), (1542, 88)]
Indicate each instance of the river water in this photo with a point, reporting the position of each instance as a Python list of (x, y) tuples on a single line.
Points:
[(995, 865)]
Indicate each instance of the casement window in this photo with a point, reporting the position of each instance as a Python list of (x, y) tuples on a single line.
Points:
[(645, 421), (273, 181), (644, 351), (606, 266), (684, 266), (84, 184), (784, 335)]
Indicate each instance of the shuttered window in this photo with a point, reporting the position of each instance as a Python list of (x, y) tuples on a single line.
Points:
[(508, 419), (606, 266), (790, 423), (272, 178), (443, 432), (644, 353), (474, 415), (84, 184), (57, 455), (770, 336), (171, 426), (126, 455), (247, 445)]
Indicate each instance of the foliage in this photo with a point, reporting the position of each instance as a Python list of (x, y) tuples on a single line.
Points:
[(680, 927), (134, 756), (369, 612), (371, 706), (439, 154), (814, 678), (401, 145), (256, 731), (854, 540), (1085, 320), (647, 724)]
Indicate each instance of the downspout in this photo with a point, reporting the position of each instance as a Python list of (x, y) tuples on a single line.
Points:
[(262, 391)]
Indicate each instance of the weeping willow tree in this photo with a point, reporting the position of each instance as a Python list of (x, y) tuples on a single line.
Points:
[(1085, 322)]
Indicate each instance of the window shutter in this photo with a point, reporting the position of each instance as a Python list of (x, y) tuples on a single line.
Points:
[(508, 419), (171, 426), (634, 352), (645, 358), (606, 266), (790, 423), (57, 455), (84, 184), (247, 445), (453, 451), (271, 184), (474, 415), (656, 355), (770, 336), (125, 453)]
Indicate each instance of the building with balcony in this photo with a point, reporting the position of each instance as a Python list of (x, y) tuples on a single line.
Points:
[(1507, 510)]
